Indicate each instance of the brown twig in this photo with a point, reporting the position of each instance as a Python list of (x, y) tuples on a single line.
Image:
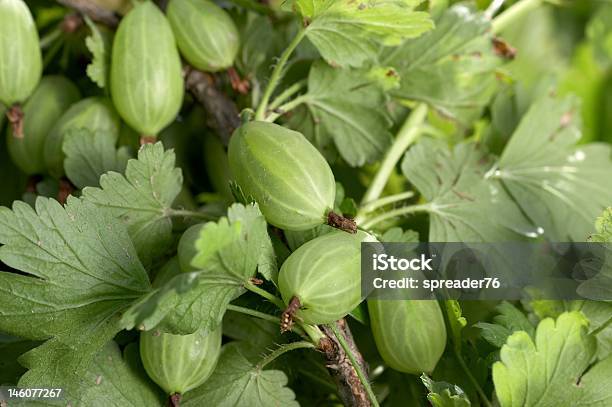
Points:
[(93, 11), (350, 388), (223, 116)]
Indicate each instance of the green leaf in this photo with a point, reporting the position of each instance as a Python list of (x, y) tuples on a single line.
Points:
[(452, 68), (509, 320), (99, 44), (143, 198), (456, 321), (87, 273), (599, 32), (11, 350), (229, 253), (188, 302), (91, 154), (348, 108), (397, 234), (261, 334), (561, 187), (603, 225), (237, 382), (442, 394), (552, 369), (348, 33), (464, 206), (112, 380)]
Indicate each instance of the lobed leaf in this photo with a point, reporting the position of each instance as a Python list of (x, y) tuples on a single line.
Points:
[(561, 187), (442, 394), (349, 33), (238, 382), (91, 154), (347, 108), (552, 369), (81, 272), (142, 198), (119, 380), (452, 68)]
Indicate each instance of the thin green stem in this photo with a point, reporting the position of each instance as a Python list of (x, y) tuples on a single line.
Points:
[(514, 13), (253, 313), (379, 203), (360, 373), (602, 327), (49, 38), (287, 93), (277, 74), (313, 332), (283, 349), (190, 214), (409, 132), (263, 293), (404, 210), (282, 109), (473, 380)]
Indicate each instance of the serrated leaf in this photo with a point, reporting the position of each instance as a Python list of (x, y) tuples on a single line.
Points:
[(99, 44), (237, 245), (553, 369), (509, 320), (237, 382), (442, 394), (397, 234), (10, 369), (347, 107), (463, 206), (603, 226), (561, 187), (91, 154), (142, 198), (348, 33), (452, 68), (188, 302), (87, 272), (456, 321), (229, 253), (113, 380)]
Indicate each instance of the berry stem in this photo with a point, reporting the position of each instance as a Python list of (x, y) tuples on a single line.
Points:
[(409, 132), (404, 210), (379, 203), (277, 74), (263, 293), (287, 93), (514, 13), (253, 313), (283, 349)]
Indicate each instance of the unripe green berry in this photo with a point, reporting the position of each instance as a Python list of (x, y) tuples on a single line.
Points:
[(288, 177)]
